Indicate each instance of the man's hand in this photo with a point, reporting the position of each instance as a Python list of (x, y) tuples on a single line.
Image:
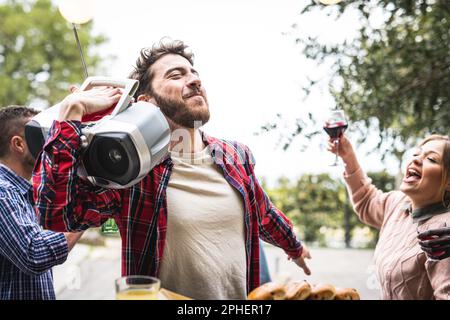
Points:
[(79, 103), (435, 243), (300, 261), (72, 238)]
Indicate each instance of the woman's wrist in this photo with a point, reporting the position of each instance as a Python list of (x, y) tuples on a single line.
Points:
[(351, 163)]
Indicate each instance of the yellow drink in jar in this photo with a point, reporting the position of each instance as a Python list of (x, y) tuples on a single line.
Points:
[(137, 288), (137, 294)]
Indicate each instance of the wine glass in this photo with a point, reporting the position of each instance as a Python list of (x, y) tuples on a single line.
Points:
[(335, 125), (435, 256)]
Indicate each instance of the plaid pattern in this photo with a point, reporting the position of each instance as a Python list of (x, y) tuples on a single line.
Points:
[(65, 202), (27, 252)]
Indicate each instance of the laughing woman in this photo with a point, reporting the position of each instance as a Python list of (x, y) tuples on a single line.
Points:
[(421, 204)]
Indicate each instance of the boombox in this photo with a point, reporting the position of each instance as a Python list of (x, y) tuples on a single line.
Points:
[(119, 148)]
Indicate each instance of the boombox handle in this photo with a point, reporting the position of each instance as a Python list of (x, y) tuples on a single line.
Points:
[(129, 87)]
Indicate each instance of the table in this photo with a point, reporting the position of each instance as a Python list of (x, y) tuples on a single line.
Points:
[(165, 294)]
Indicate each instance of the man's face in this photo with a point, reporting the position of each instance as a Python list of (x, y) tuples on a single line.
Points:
[(23, 155), (178, 92), (28, 160)]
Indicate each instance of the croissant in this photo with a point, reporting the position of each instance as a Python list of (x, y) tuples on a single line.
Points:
[(297, 290), (268, 291), (323, 292), (346, 294)]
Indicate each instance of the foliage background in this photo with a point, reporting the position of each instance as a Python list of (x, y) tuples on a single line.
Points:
[(39, 58)]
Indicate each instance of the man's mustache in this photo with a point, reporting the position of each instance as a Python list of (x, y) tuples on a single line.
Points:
[(192, 93)]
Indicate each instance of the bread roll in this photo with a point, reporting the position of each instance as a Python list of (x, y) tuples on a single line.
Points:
[(322, 292), (346, 294), (268, 291), (297, 290)]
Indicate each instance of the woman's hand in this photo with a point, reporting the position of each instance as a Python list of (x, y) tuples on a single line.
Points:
[(79, 103), (435, 243), (345, 151), (345, 147)]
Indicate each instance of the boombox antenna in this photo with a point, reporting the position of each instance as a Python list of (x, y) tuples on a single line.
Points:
[(75, 32), (77, 12)]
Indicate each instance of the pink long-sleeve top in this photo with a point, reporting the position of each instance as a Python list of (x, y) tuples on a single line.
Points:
[(402, 267)]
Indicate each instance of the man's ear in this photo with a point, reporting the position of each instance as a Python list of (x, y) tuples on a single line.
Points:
[(143, 97), (18, 144)]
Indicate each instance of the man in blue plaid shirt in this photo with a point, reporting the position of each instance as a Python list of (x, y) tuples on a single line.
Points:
[(27, 252)]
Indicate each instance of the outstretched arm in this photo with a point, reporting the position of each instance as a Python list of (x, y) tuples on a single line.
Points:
[(369, 203), (274, 226)]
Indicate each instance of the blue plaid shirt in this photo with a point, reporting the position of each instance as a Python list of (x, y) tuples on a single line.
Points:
[(27, 252)]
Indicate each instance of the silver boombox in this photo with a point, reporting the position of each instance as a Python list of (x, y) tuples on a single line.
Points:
[(120, 148)]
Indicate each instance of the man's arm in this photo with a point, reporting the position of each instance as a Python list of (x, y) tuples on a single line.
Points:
[(275, 227), (24, 243), (64, 201)]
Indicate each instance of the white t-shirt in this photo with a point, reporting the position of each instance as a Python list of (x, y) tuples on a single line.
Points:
[(204, 255)]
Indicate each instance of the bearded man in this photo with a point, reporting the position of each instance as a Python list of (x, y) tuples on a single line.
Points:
[(196, 219)]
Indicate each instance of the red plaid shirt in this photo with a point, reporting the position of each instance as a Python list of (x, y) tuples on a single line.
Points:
[(67, 203)]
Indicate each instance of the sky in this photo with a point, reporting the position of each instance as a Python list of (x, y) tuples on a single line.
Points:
[(251, 69)]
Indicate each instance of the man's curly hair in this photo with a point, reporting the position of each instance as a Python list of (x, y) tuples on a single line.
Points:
[(148, 56)]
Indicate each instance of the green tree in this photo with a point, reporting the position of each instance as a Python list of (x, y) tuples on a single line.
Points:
[(311, 202), (393, 78), (39, 58), (315, 201)]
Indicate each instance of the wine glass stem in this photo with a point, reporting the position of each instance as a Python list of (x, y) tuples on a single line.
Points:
[(337, 151)]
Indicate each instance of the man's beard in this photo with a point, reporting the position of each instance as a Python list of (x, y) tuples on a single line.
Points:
[(28, 161), (182, 114)]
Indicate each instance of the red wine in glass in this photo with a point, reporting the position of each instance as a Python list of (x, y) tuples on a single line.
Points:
[(335, 130), (335, 126)]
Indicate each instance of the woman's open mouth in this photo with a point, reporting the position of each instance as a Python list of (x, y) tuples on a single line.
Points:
[(412, 176)]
